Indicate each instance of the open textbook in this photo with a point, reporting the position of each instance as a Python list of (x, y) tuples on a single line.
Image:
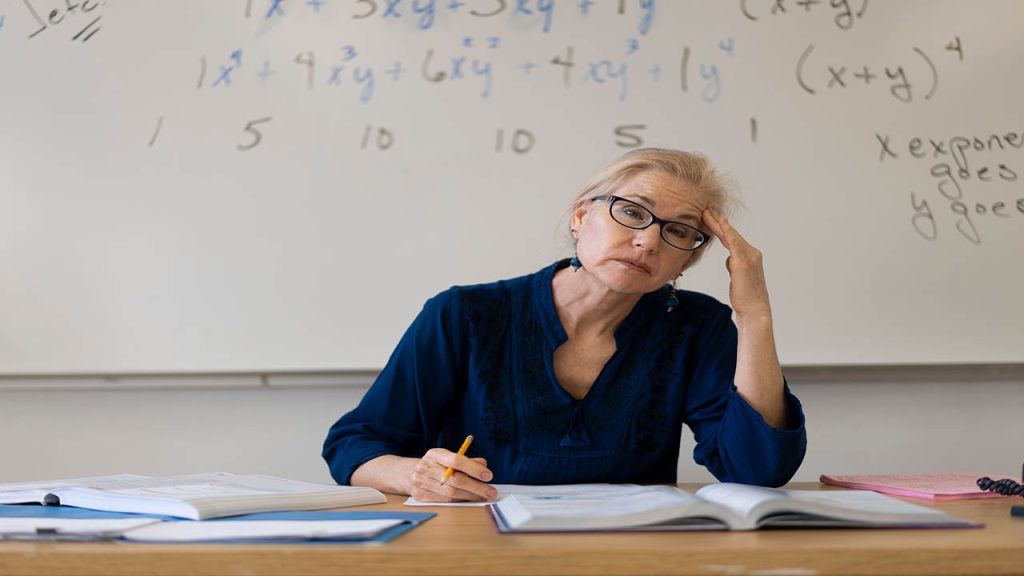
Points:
[(713, 507), (192, 496), (578, 490)]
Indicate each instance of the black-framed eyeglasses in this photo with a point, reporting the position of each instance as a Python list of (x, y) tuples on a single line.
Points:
[(633, 215)]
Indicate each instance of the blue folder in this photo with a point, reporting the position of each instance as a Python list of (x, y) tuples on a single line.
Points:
[(409, 520)]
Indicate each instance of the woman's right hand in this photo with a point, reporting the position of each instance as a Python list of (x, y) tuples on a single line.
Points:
[(467, 484)]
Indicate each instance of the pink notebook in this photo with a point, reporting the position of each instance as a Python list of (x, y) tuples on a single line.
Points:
[(951, 486)]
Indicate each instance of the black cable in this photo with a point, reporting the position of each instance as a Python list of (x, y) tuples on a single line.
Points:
[(1006, 487)]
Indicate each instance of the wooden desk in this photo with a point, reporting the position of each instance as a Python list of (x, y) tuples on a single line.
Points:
[(462, 541)]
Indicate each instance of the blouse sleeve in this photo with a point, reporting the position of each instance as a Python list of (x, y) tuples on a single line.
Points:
[(733, 441), (401, 412)]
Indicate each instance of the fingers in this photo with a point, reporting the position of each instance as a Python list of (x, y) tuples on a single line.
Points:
[(711, 221), (446, 493), (731, 239), (474, 467), (748, 292), (468, 482), (469, 488), (722, 228)]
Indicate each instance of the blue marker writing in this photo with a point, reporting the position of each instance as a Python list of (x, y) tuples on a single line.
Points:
[(620, 73), (426, 13), (395, 71), (392, 9), (457, 63), (335, 79), (714, 87), (485, 71), (225, 75), (275, 9), (646, 20), (365, 78), (266, 72), (547, 8)]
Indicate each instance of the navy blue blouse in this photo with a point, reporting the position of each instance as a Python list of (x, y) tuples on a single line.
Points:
[(479, 360)]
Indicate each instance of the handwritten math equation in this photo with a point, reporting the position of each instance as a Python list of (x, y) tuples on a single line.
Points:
[(954, 172), (469, 64), (485, 63), (426, 12), (375, 137), (80, 19), (816, 74), (477, 59), (845, 13)]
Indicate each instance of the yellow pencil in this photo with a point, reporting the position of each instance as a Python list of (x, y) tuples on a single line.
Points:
[(462, 451)]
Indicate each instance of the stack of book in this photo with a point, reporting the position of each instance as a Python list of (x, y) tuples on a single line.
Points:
[(150, 509)]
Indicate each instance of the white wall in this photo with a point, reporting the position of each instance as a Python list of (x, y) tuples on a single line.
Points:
[(853, 426)]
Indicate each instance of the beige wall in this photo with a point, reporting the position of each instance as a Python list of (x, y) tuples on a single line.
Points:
[(865, 427)]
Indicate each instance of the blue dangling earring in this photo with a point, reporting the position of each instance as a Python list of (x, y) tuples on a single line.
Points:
[(575, 260), (670, 298)]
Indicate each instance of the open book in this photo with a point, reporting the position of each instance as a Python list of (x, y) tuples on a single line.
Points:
[(193, 496), (714, 507)]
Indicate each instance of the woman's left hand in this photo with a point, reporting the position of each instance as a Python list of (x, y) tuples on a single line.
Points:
[(748, 291)]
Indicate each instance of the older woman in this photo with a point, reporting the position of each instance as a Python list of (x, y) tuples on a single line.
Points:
[(586, 370)]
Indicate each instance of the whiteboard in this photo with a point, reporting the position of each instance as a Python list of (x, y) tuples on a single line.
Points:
[(275, 186)]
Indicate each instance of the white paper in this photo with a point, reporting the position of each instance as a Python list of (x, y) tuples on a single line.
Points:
[(596, 491), (70, 528), (619, 501), (210, 485), (28, 492), (226, 530)]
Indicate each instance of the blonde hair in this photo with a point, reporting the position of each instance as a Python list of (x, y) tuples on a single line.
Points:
[(689, 167)]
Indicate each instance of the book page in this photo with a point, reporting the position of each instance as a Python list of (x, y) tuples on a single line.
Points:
[(615, 501), (69, 528), (227, 530), (628, 507), (189, 487), (740, 498), (35, 492), (864, 504), (754, 501), (201, 496), (167, 487), (771, 506), (543, 490)]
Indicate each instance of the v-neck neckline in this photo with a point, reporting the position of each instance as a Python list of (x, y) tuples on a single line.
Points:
[(555, 334)]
